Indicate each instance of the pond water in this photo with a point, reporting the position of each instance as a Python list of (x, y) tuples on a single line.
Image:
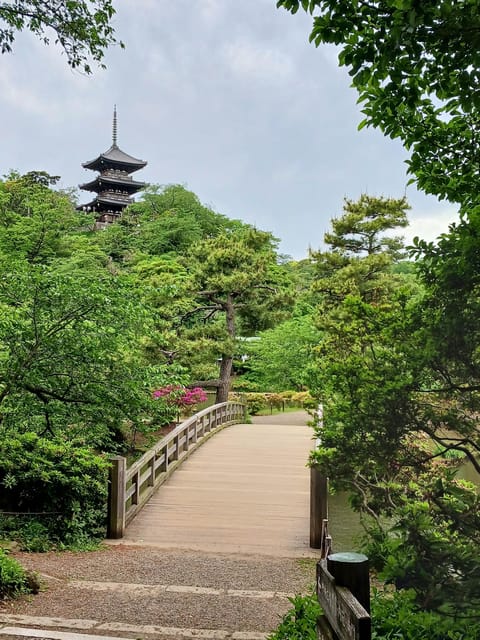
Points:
[(468, 472), (344, 523)]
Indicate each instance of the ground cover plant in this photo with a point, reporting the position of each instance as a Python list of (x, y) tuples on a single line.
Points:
[(14, 579)]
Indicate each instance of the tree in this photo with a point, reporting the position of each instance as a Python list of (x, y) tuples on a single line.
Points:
[(279, 360), (168, 220), (416, 66), (36, 223), (358, 231), (236, 278), (71, 328), (82, 28), (400, 376), (68, 360), (397, 374), (362, 251)]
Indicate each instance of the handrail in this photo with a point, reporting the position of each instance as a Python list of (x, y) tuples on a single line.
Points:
[(130, 488)]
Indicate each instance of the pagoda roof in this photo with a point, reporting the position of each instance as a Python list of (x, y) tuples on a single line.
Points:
[(115, 157), (127, 184)]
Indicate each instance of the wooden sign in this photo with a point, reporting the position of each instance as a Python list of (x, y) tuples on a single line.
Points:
[(348, 619)]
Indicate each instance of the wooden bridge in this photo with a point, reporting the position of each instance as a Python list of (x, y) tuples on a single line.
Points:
[(209, 552), (247, 491)]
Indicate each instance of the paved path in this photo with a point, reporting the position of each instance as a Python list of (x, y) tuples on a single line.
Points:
[(214, 557)]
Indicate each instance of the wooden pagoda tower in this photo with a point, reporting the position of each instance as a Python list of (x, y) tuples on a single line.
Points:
[(113, 185)]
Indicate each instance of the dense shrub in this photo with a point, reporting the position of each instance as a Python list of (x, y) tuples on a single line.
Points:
[(57, 488), (256, 402), (394, 617), (14, 580)]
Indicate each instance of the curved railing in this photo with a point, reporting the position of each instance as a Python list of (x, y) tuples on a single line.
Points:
[(130, 488)]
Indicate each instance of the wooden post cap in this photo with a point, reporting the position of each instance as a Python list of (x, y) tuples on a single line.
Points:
[(348, 557), (351, 570)]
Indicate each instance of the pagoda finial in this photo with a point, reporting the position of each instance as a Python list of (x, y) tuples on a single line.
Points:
[(114, 125)]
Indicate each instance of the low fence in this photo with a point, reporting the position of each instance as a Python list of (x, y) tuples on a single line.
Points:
[(130, 488)]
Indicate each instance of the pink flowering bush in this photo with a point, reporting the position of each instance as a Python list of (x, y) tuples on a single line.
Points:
[(181, 397)]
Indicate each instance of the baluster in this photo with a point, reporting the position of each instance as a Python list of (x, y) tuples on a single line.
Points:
[(176, 454), (151, 480), (136, 495)]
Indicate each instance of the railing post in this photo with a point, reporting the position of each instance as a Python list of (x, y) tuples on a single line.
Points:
[(318, 506), (351, 570), (116, 497)]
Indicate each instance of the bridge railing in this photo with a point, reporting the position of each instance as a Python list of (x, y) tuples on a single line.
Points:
[(130, 488)]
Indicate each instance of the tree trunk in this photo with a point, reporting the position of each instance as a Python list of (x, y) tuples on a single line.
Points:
[(225, 374), (227, 359)]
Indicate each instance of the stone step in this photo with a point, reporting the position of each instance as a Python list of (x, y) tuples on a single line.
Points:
[(45, 628)]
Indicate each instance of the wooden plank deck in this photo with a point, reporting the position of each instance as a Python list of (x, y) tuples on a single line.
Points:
[(246, 491)]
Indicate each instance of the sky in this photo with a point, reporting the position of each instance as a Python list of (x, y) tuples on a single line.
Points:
[(226, 97)]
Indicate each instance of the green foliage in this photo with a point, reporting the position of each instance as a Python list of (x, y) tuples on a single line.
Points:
[(395, 616), (392, 409), (239, 287), (14, 580), (257, 402), (432, 545), (358, 231), (279, 360), (168, 220), (299, 623), (66, 351), (362, 250), (82, 29), (35, 221), (72, 331), (58, 485)]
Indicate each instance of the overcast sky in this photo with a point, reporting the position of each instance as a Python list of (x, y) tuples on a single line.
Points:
[(224, 96)]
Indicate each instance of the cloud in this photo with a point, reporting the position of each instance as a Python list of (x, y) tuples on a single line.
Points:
[(430, 225), (212, 11), (253, 61), (227, 96)]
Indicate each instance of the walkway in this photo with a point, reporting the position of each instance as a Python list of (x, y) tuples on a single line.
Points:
[(245, 491), (213, 557)]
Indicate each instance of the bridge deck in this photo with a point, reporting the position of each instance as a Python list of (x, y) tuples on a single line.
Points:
[(246, 491)]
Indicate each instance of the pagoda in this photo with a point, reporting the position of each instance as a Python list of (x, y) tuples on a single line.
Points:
[(114, 185)]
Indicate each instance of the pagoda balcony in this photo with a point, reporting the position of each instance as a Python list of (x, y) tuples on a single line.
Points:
[(116, 173), (114, 194)]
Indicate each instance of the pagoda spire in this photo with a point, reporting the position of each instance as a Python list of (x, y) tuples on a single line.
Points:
[(114, 136)]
